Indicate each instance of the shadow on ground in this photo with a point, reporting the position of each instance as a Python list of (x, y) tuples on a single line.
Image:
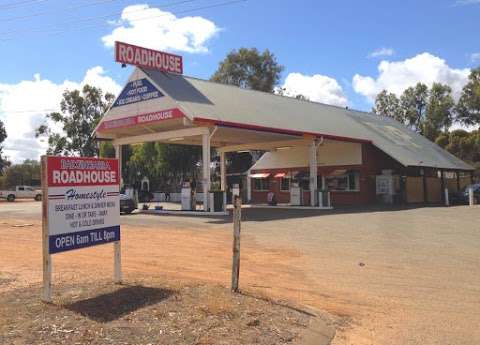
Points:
[(112, 306), (272, 214)]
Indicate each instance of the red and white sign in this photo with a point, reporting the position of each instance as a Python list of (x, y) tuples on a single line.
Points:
[(82, 204), (141, 119), (148, 58)]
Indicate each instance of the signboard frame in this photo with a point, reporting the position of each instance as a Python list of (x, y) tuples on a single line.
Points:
[(72, 179)]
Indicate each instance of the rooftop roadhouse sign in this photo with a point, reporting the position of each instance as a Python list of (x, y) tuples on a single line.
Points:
[(143, 57), (81, 207)]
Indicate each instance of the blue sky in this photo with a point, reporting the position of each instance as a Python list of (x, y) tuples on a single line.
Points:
[(331, 40)]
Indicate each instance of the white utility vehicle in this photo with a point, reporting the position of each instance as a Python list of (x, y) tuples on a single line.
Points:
[(21, 192)]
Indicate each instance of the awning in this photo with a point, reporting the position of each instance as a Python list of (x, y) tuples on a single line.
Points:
[(280, 174), (338, 172), (259, 175)]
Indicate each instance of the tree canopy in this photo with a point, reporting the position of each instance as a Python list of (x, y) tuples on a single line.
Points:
[(3, 135), (27, 173), (248, 68), (468, 106), (80, 112)]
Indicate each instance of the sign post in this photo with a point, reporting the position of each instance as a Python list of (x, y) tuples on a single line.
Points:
[(80, 208)]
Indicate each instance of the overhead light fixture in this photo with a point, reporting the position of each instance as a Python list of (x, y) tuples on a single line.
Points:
[(176, 139), (243, 151), (283, 148)]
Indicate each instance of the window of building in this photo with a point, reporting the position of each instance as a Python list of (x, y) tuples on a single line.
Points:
[(261, 184), (285, 184), (345, 182)]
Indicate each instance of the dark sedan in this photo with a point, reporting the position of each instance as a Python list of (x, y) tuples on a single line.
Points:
[(462, 197), (127, 204)]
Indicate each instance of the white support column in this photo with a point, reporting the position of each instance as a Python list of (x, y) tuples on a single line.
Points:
[(249, 187), (117, 249), (471, 200), (223, 172), (313, 171), (223, 179), (118, 155), (206, 169)]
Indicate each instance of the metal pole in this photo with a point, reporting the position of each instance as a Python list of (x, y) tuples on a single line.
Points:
[(237, 218), (117, 249)]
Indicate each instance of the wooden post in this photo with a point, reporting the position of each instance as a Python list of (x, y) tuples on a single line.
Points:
[(117, 249), (446, 197), (46, 258), (471, 200), (425, 189), (237, 218), (458, 180), (442, 186)]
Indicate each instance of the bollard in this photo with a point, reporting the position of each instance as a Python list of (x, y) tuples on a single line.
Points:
[(470, 196), (447, 200), (237, 217)]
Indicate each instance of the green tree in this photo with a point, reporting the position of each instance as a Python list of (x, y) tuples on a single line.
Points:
[(249, 69), (468, 106), (465, 145), (439, 112), (3, 161), (388, 104), (80, 113), (27, 173), (414, 102)]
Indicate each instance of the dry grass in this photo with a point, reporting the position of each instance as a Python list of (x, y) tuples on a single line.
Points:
[(145, 313)]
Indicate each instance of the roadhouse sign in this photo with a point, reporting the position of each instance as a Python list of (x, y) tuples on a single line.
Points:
[(153, 59), (83, 206), (142, 119)]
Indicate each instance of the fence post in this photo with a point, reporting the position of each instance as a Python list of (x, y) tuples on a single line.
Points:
[(447, 199), (46, 257), (237, 218), (470, 196)]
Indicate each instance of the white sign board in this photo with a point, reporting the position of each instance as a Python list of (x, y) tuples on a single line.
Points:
[(83, 206)]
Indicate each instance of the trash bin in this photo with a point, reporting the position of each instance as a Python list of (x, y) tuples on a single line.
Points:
[(217, 198)]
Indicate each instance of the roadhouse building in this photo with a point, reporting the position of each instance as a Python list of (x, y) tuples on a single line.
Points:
[(357, 157)]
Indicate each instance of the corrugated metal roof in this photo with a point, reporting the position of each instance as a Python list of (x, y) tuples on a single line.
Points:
[(230, 104)]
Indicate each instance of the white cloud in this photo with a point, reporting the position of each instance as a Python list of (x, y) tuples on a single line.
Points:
[(381, 52), (398, 75), (317, 88), (23, 107), (466, 2), (475, 57), (156, 29)]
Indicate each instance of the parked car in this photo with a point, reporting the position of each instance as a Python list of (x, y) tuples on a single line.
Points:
[(127, 204), (21, 192), (462, 197)]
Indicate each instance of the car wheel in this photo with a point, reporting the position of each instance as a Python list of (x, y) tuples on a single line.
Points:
[(11, 198), (38, 197)]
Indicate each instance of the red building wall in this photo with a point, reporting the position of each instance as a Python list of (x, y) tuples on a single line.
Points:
[(373, 162)]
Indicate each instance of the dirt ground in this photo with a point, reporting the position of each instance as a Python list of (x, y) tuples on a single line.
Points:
[(373, 276), (99, 312)]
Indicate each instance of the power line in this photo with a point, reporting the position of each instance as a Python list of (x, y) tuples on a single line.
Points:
[(71, 8), (87, 19), (64, 30), (17, 4), (38, 14)]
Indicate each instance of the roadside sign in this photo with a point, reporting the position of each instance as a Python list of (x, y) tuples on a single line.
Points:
[(137, 91), (143, 57), (81, 206)]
